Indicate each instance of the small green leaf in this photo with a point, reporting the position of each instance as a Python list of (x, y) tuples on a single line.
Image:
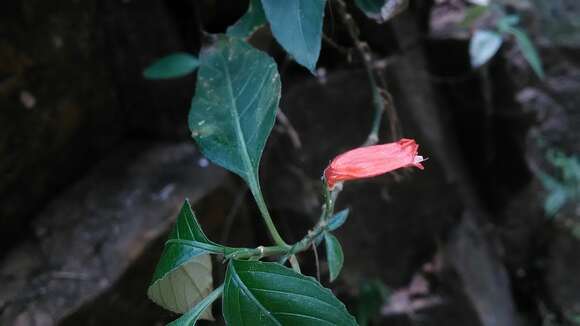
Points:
[(555, 201), (557, 194), (172, 66), (191, 317), (258, 293), (337, 220), (297, 26), (334, 255), (234, 108), (253, 19), (483, 46), (382, 10), (183, 275), (528, 50)]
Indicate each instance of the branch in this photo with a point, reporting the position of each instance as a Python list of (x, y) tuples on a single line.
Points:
[(382, 99)]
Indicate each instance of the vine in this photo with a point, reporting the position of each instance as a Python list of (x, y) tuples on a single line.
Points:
[(232, 114)]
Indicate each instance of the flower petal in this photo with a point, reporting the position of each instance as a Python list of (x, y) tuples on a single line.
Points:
[(370, 161)]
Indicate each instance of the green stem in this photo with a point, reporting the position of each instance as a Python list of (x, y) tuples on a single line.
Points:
[(329, 200), (379, 106), (260, 252), (302, 245), (257, 192)]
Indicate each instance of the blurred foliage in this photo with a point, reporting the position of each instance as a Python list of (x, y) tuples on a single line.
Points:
[(487, 40), (560, 20), (564, 185), (372, 296)]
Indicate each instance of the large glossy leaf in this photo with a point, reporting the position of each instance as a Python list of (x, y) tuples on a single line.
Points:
[(172, 66), (183, 275), (297, 26), (483, 46), (258, 293), (234, 108), (382, 10), (334, 255), (191, 317), (253, 19)]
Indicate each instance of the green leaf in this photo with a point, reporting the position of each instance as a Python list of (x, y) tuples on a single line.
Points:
[(382, 10), (183, 275), (172, 66), (337, 220), (528, 50), (334, 255), (297, 26), (483, 46), (555, 201), (210, 248), (258, 293), (372, 296), (234, 108), (191, 317), (253, 19)]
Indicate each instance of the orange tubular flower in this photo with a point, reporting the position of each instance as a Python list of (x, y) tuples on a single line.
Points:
[(370, 161)]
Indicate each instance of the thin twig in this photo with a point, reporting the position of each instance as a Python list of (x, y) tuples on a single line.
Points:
[(289, 129), (341, 49), (378, 85), (317, 261)]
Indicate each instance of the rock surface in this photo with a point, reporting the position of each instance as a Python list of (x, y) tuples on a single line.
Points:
[(87, 238)]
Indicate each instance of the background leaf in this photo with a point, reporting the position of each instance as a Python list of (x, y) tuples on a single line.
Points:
[(183, 276), (507, 22), (334, 255), (472, 14), (483, 46), (297, 26), (192, 316), (382, 10), (258, 293), (528, 50), (372, 296), (253, 19), (370, 6), (234, 107), (172, 66)]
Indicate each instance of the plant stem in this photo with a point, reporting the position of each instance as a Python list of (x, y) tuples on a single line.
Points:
[(302, 245), (329, 200), (367, 58), (257, 192)]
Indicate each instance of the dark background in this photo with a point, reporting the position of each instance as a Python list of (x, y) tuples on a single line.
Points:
[(95, 162)]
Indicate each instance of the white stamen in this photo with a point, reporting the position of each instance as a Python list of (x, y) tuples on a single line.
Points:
[(419, 159)]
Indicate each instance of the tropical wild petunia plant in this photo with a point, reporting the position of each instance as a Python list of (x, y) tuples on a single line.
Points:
[(232, 114)]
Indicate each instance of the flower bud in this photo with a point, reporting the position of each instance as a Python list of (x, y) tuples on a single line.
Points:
[(370, 161)]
